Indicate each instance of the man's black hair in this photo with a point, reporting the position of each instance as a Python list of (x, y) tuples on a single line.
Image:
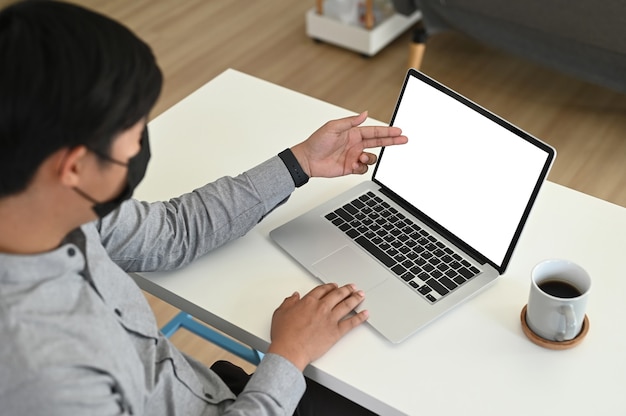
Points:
[(68, 77)]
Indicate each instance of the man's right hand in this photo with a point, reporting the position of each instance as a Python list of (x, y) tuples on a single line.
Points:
[(304, 328)]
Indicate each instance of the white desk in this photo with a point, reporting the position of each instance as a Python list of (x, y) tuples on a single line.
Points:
[(474, 360)]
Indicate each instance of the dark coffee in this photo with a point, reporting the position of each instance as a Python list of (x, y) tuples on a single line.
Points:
[(559, 289)]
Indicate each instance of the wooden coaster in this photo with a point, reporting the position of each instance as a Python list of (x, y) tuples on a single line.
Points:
[(553, 345)]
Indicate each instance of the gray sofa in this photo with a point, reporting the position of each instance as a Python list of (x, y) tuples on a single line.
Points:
[(584, 38)]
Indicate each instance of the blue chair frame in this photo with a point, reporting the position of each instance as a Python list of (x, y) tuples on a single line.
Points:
[(186, 321)]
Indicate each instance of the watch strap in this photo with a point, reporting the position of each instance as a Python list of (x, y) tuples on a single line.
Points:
[(294, 168)]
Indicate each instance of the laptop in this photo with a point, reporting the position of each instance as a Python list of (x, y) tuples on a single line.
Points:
[(439, 219)]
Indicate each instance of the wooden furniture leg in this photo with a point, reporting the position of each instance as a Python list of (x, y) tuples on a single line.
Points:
[(417, 48), (369, 14), (319, 6)]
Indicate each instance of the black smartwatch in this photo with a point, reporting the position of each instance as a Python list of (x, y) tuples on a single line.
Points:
[(294, 168)]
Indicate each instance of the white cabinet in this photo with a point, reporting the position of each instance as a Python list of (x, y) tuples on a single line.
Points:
[(358, 38)]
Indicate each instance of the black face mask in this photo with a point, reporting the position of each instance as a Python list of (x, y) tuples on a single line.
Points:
[(137, 166)]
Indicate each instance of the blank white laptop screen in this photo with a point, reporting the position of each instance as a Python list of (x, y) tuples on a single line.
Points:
[(468, 173)]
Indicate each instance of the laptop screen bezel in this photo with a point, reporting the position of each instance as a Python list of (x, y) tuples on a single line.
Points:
[(550, 156)]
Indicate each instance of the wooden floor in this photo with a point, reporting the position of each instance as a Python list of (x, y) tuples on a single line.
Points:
[(194, 40)]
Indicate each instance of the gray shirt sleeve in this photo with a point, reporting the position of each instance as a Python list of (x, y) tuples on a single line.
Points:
[(274, 389), (161, 236)]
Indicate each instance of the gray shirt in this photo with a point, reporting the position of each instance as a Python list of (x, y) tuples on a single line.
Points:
[(78, 337)]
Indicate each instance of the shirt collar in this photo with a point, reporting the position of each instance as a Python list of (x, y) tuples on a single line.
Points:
[(67, 258)]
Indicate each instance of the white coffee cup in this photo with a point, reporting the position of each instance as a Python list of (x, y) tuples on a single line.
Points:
[(558, 299)]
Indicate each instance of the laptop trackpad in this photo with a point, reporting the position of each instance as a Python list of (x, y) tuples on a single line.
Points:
[(346, 265)]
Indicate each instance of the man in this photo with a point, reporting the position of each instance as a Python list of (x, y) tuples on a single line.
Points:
[(78, 337)]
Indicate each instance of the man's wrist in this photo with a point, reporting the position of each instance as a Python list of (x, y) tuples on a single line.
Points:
[(290, 355), (293, 166)]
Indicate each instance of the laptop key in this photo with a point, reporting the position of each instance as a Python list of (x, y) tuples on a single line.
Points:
[(466, 273), (344, 214), (398, 269), (351, 209), (459, 279), (358, 204), (375, 251), (424, 290), (338, 221), (344, 227), (437, 287), (447, 283), (352, 233), (415, 270), (423, 276)]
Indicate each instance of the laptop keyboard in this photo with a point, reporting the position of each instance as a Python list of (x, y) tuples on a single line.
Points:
[(417, 257)]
